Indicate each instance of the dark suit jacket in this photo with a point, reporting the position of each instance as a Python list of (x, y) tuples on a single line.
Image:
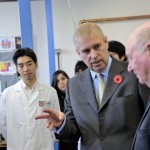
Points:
[(112, 127), (142, 137)]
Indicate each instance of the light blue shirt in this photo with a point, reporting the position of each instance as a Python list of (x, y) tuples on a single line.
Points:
[(104, 75)]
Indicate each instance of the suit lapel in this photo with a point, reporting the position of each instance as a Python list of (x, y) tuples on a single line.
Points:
[(115, 69), (86, 86)]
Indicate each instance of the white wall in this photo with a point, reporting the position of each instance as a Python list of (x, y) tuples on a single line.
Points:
[(94, 9), (64, 27), (9, 19), (40, 38)]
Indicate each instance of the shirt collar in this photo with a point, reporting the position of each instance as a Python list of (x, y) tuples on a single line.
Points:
[(105, 71), (25, 86)]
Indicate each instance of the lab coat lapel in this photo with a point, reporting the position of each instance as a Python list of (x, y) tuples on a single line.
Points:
[(34, 96), (21, 94), (39, 90)]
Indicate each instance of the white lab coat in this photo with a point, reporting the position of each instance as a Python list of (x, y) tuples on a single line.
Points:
[(17, 118)]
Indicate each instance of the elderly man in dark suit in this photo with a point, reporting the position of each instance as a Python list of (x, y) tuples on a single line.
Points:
[(105, 122), (138, 52)]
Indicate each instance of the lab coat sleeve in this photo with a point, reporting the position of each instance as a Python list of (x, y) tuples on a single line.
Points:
[(55, 100), (3, 123), (55, 106)]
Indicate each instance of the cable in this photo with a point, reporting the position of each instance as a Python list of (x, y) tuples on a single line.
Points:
[(70, 10)]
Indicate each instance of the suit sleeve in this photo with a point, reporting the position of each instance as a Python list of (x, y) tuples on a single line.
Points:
[(70, 131), (54, 97)]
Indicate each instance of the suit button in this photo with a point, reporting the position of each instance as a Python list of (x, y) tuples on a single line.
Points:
[(102, 138)]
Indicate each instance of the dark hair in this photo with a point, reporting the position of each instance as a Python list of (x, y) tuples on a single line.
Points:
[(117, 47), (54, 83), (24, 52), (80, 65)]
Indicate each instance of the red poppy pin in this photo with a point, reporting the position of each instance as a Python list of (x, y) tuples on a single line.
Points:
[(118, 79)]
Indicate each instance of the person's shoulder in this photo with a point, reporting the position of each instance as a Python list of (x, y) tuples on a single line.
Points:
[(124, 63), (122, 66), (45, 86), (81, 75), (11, 88)]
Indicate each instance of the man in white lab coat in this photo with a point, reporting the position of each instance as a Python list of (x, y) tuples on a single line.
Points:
[(20, 103)]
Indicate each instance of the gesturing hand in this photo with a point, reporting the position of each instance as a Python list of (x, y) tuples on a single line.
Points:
[(54, 118)]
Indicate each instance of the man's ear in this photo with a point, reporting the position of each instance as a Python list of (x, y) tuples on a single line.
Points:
[(77, 52), (18, 74), (105, 39), (36, 65), (148, 46)]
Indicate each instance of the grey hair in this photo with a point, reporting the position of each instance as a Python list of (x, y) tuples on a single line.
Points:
[(84, 30), (142, 39)]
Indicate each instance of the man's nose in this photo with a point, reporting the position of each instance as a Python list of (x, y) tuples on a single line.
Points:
[(25, 68), (93, 53)]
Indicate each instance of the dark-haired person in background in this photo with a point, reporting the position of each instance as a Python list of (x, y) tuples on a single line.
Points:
[(117, 50), (79, 67), (20, 103), (59, 82)]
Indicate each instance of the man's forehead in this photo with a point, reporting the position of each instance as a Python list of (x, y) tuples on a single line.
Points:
[(24, 59), (131, 42)]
